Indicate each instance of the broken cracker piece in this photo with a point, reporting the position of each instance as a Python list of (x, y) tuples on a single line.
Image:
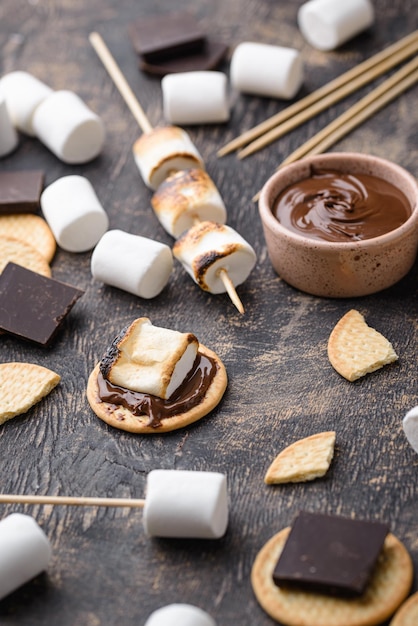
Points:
[(355, 349), (305, 459), (22, 385)]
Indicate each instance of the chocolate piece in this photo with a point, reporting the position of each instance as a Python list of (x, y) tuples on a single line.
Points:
[(330, 554), (32, 306), (159, 37), (20, 191), (208, 58)]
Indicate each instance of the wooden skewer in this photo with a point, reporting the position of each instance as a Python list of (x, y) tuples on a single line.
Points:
[(71, 501), (137, 111), (406, 46)]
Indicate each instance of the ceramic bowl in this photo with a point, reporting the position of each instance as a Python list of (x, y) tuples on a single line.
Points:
[(340, 269)]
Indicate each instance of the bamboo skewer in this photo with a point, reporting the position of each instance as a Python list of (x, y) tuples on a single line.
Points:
[(137, 111), (390, 56), (71, 501)]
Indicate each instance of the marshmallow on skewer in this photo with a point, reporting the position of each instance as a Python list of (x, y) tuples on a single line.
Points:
[(176, 614), (136, 264), (150, 359), (208, 248), (186, 504), (23, 93), (66, 125), (195, 97), (8, 134), (266, 70), (163, 151), (186, 197), (74, 213), (25, 552), (327, 24)]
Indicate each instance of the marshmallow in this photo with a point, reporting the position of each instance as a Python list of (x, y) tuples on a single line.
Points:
[(195, 97), (150, 359), (23, 93), (180, 614), (163, 151), (8, 134), (266, 70), (186, 504), (68, 127), (326, 24), (136, 264), (74, 213), (187, 197), (410, 427), (25, 552), (207, 248)]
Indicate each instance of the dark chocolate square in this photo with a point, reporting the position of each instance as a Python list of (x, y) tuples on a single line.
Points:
[(208, 58), (20, 192), (160, 37), (330, 554), (32, 306)]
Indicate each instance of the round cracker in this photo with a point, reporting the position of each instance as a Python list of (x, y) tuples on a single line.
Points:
[(407, 615), (17, 251), (389, 586), (120, 417), (32, 229)]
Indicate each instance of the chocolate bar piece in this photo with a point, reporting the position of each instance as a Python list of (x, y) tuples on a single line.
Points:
[(330, 554), (32, 306), (206, 59), (20, 191), (160, 37)]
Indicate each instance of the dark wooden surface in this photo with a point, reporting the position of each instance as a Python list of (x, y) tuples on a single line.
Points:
[(104, 571)]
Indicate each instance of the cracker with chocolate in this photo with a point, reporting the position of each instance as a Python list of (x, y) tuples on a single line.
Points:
[(20, 191), (305, 459), (355, 349), (14, 250), (149, 359), (22, 385), (388, 587), (32, 229)]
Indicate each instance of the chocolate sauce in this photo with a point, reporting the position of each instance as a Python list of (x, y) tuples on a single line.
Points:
[(341, 207), (190, 393)]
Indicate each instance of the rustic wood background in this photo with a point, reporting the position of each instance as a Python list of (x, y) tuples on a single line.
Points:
[(104, 571)]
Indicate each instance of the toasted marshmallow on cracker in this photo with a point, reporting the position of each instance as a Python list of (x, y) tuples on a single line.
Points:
[(208, 248), (162, 151), (150, 359), (186, 197)]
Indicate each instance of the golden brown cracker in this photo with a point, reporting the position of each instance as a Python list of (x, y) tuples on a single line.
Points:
[(407, 614), (22, 385), (389, 586), (355, 349), (32, 229), (17, 251), (120, 417), (305, 459)]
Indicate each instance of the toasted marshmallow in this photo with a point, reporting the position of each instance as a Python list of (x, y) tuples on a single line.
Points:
[(150, 359), (163, 151), (24, 93), (207, 248), (186, 197)]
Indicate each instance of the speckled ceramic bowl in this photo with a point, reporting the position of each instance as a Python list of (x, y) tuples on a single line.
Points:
[(340, 269)]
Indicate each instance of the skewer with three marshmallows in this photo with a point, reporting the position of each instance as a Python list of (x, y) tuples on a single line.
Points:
[(185, 201)]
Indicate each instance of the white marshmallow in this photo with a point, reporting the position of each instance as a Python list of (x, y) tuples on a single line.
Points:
[(195, 97), (179, 615), (207, 248), (163, 151), (189, 504), (8, 135), (136, 264), (326, 24), (154, 360), (187, 197), (65, 124), (410, 427), (25, 551), (266, 70), (74, 213), (24, 93)]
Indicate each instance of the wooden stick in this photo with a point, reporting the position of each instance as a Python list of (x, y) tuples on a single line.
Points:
[(118, 78), (71, 501), (230, 288), (406, 45)]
